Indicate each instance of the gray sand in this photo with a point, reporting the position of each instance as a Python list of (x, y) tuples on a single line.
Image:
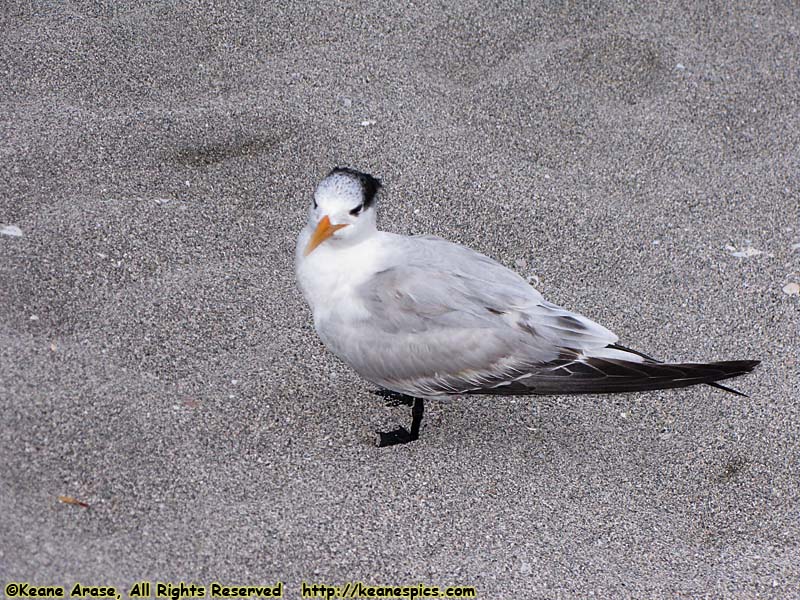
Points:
[(158, 363)]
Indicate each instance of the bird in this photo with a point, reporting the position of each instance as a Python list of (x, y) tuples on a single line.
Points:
[(425, 318)]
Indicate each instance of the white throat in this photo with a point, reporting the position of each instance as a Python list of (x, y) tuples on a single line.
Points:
[(329, 276)]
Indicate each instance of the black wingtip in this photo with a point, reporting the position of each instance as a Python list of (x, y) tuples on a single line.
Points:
[(737, 367), (746, 366), (595, 375), (752, 364), (742, 366), (725, 388)]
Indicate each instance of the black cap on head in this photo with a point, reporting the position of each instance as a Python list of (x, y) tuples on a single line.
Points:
[(369, 184)]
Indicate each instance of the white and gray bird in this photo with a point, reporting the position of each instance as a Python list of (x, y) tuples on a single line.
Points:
[(425, 318)]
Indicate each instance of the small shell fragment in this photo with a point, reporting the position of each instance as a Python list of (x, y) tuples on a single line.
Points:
[(747, 252), (793, 289), (11, 230)]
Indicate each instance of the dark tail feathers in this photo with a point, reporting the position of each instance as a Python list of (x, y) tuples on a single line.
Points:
[(602, 376), (719, 386)]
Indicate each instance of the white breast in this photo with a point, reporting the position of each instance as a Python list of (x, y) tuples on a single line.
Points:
[(330, 276)]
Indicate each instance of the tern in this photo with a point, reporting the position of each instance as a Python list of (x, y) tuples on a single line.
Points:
[(425, 318)]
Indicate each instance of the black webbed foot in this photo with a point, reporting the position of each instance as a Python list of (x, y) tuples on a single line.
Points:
[(395, 437), (401, 435)]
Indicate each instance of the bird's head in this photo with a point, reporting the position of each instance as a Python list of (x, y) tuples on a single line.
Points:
[(343, 208)]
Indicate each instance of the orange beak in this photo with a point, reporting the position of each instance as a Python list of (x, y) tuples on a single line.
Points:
[(323, 231)]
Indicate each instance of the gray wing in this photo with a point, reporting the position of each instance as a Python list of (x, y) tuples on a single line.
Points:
[(449, 320)]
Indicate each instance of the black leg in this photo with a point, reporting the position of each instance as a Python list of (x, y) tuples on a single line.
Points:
[(417, 412), (401, 435)]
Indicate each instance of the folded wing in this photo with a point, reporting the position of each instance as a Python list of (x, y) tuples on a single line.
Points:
[(451, 321)]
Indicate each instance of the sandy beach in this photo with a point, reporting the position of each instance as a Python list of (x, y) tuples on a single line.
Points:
[(167, 411)]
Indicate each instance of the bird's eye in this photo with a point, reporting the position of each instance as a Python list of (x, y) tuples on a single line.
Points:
[(314, 201), (357, 209)]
